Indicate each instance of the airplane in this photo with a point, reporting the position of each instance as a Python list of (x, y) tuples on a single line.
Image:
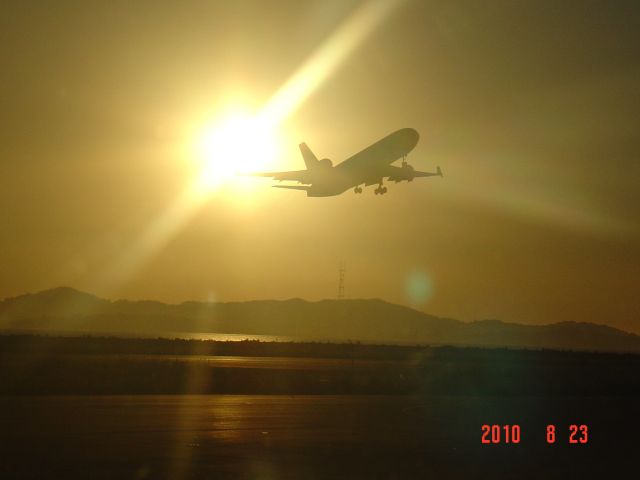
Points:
[(369, 167)]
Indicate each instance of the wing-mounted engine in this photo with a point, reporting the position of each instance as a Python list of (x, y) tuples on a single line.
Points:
[(405, 172), (408, 171)]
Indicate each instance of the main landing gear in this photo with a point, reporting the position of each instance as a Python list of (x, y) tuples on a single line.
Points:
[(380, 190), (358, 190)]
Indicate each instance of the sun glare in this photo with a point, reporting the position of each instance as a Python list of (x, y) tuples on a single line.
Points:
[(244, 141), (240, 143)]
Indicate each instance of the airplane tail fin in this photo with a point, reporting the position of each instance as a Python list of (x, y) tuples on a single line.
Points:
[(310, 160), (439, 171)]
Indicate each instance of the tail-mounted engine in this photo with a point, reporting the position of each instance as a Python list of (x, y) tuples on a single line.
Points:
[(325, 163)]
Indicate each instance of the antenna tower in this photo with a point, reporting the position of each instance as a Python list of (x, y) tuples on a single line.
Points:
[(341, 271)]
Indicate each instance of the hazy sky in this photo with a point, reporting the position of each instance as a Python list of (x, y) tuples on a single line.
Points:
[(531, 108)]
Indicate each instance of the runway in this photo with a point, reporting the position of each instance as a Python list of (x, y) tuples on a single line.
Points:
[(239, 361), (287, 437)]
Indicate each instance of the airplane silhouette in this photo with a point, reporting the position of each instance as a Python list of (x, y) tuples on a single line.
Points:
[(369, 167)]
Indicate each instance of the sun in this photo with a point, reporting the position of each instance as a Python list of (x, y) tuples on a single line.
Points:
[(239, 143)]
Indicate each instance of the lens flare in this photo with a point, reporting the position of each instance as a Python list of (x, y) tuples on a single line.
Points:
[(418, 288)]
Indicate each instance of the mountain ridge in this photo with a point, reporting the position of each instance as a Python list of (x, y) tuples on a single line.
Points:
[(365, 320)]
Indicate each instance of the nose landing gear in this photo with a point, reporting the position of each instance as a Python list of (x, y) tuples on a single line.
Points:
[(358, 190)]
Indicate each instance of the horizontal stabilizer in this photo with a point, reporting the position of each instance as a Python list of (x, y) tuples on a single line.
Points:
[(260, 174), (293, 187), (296, 175)]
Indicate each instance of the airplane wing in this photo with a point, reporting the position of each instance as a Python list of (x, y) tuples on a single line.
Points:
[(427, 174), (398, 174), (295, 175)]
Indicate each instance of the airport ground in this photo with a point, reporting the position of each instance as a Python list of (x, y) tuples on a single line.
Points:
[(388, 413)]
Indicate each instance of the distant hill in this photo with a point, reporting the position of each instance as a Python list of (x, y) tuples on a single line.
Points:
[(368, 321)]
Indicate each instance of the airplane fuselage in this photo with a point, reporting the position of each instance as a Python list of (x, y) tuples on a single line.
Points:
[(330, 181), (367, 167)]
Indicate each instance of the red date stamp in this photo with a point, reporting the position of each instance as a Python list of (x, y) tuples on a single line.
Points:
[(500, 434), (511, 434)]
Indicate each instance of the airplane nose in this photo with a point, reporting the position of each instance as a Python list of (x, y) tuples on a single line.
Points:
[(411, 137)]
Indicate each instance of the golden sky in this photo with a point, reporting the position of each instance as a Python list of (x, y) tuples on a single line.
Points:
[(530, 108)]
